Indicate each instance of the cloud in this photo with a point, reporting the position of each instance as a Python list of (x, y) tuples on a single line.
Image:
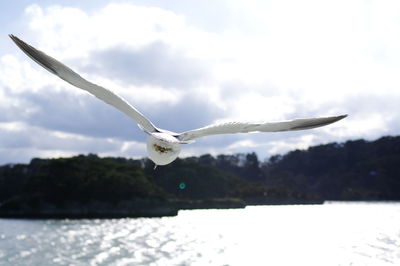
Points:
[(156, 64), (32, 141), (80, 114)]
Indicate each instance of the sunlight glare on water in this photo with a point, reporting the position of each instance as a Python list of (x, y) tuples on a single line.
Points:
[(329, 234)]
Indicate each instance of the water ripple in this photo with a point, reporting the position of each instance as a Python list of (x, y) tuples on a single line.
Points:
[(333, 234)]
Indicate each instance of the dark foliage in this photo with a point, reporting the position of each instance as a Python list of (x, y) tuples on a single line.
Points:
[(354, 170)]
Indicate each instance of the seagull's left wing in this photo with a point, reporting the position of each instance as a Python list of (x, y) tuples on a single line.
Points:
[(243, 127), (67, 74)]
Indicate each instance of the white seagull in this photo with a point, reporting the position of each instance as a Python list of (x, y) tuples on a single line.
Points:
[(163, 146)]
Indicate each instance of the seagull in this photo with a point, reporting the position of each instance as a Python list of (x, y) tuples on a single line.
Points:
[(163, 146)]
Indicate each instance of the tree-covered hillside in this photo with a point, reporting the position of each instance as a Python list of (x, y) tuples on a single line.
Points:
[(93, 186), (354, 170)]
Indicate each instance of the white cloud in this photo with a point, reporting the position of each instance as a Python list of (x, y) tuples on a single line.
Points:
[(123, 24)]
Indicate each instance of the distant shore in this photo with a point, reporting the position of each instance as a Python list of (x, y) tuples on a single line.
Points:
[(101, 210), (169, 210), (92, 210)]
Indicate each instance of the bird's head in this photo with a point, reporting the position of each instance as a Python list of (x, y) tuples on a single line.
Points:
[(163, 148)]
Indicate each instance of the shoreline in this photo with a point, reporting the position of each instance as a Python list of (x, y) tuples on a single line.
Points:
[(165, 210)]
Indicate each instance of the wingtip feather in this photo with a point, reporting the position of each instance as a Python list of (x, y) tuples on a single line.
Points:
[(14, 38), (340, 117)]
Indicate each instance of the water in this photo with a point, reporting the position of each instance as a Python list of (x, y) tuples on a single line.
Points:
[(329, 234)]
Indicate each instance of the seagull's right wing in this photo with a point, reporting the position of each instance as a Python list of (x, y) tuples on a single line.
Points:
[(67, 74), (243, 127)]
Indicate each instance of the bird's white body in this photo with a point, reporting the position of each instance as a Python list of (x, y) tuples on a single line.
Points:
[(164, 146)]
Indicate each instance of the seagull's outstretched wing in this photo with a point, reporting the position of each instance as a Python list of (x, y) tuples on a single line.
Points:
[(242, 127), (73, 78)]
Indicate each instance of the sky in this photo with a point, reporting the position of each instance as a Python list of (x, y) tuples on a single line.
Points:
[(187, 64)]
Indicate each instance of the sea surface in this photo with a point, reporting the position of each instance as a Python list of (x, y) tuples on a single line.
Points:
[(329, 234)]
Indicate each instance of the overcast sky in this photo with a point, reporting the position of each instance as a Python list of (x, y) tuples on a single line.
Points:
[(186, 64)]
